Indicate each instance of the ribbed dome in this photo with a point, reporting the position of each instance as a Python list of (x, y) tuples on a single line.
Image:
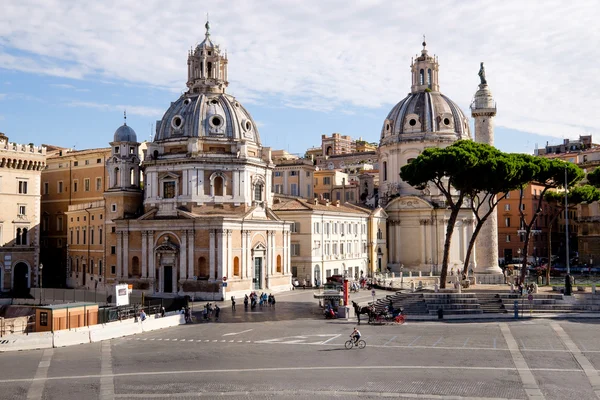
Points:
[(207, 115), (423, 114), (125, 134)]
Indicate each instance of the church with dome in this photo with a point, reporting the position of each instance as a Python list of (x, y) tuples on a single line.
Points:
[(204, 215), (417, 219)]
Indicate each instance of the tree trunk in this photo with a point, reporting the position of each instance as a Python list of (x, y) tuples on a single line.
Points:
[(472, 244), (447, 242), (549, 263)]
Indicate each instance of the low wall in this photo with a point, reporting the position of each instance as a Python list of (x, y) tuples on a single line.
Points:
[(91, 334), (38, 340)]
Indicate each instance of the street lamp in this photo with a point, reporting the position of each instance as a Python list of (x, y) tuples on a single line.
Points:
[(41, 268)]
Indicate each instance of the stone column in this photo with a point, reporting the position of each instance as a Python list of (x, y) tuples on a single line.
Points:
[(125, 254), (183, 256), (221, 253), (229, 270), (191, 245), (144, 254), (119, 255), (151, 257), (211, 255), (243, 259)]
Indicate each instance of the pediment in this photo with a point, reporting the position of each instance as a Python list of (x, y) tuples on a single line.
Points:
[(169, 175), (408, 203)]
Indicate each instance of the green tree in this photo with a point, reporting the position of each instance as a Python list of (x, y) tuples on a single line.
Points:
[(442, 167), (551, 173), (594, 177), (497, 174)]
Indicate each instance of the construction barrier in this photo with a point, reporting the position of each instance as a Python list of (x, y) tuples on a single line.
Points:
[(152, 324), (71, 337), (32, 341), (113, 330)]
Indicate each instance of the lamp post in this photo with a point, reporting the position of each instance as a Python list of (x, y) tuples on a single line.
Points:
[(41, 268), (567, 221)]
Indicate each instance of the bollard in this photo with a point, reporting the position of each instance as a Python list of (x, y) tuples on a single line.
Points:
[(419, 274), (594, 288), (410, 274), (516, 308)]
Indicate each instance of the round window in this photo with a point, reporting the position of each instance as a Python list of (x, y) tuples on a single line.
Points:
[(177, 122), (186, 101), (248, 125), (213, 101), (216, 121), (387, 127), (412, 122), (446, 121)]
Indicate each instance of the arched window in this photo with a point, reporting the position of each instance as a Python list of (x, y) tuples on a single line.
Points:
[(24, 236), (135, 268), (209, 69), (91, 270), (429, 77), (385, 170), (218, 186), (279, 264), (201, 70), (236, 266), (421, 77), (18, 238), (202, 268), (258, 192), (116, 176), (132, 176), (77, 265)]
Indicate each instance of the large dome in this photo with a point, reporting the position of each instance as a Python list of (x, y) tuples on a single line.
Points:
[(423, 114), (207, 115)]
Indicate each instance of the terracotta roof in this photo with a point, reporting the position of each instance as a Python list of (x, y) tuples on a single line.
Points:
[(287, 204)]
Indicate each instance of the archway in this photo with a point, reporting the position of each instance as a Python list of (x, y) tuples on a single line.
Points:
[(21, 278)]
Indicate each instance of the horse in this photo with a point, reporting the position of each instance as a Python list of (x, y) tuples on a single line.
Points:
[(362, 310)]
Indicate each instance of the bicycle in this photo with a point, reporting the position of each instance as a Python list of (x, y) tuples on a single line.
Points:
[(361, 344)]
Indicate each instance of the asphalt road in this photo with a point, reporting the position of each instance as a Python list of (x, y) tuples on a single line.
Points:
[(272, 354)]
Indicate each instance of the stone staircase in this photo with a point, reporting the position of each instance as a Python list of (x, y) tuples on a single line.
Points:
[(452, 303), (552, 303), (411, 303), (491, 303)]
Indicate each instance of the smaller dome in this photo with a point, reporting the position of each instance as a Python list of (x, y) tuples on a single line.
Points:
[(125, 134)]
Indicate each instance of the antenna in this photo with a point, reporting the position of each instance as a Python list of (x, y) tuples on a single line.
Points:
[(124, 117)]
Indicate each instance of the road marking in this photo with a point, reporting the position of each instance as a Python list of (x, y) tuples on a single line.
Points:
[(586, 365), (107, 382), (466, 341), (411, 343), (529, 383), (36, 389), (237, 333), (439, 340), (495, 342), (330, 339), (522, 344), (390, 340), (274, 370)]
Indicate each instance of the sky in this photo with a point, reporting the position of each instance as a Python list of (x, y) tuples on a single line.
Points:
[(302, 68)]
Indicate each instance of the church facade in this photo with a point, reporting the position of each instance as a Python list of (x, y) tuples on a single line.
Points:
[(204, 215)]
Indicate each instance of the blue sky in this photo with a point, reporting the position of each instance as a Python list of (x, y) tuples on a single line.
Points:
[(302, 68)]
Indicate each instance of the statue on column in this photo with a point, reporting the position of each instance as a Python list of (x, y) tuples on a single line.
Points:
[(482, 74)]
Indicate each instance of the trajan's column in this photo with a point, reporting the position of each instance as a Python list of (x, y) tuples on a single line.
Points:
[(483, 110)]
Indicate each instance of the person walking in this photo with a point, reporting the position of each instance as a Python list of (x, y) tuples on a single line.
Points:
[(232, 303), (217, 312), (245, 302)]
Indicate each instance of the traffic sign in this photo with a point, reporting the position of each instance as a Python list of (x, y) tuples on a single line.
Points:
[(530, 297), (224, 278), (224, 284), (373, 292)]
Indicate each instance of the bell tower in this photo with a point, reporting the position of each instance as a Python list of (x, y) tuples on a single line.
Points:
[(424, 70), (207, 67)]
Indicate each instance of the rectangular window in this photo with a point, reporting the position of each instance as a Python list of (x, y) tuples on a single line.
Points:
[(337, 195), (326, 249), (507, 207), (75, 184), (71, 237), (75, 163), (508, 195), (22, 210), (113, 249), (295, 227), (327, 228), (341, 248), (87, 162), (22, 187), (98, 161), (293, 173), (86, 184), (77, 237), (59, 187), (522, 207), (335, 247), (308, 174), (295, 249), (507, 238), (316, 227), (113, 269), (98, 184), (113, 229), (113, 207), (45, 223), (46, 185), (59, 243), (91, 235), (507, 222), (169, 190), (294, 189), (316, 181), (326, 196), (100, 267), (100, 236), (43, 318), (335, 228), (59, 223), (277, 173), (327, 180)]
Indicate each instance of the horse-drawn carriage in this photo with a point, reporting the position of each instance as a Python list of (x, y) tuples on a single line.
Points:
[(386, 316)]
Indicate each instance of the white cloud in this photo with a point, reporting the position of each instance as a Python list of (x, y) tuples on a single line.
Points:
[(133, 110), (329, 55), (2, 96)]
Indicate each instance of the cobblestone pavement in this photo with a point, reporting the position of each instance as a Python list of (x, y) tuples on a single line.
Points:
[(300, 357)]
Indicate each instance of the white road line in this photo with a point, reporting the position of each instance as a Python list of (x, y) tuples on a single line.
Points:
[(107, 382), (529, 383), (237, 333), (36, 390), (439, 340), (411, 343), (330, 339), (495, 342), (586, 365), (275, 370), (466, 341), (390, 340)]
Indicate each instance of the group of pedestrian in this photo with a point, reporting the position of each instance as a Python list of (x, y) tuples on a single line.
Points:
[(254, 298), (209, 310)]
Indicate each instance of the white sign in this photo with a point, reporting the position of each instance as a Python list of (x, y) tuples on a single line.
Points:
[(122, 295)]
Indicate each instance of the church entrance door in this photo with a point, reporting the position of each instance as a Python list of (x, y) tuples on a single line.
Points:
[(21, 278), (168, 279), (257, 273)]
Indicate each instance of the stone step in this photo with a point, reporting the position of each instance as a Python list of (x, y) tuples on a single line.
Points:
[(458, 312), (535, 296), (448, 295)]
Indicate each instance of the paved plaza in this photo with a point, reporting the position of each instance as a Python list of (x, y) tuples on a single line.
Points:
[(272, 353)]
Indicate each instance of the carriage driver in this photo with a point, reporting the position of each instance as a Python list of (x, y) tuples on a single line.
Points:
[(355, 335)]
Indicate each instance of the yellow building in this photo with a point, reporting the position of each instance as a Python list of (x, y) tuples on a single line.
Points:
[(294, 177)]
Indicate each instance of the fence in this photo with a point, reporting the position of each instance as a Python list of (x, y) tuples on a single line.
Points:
[(58, 296)]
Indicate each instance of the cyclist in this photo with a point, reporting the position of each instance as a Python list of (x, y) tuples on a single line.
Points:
[(355, 335)]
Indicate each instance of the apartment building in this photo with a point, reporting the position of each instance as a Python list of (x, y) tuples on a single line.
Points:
[(293, 177)]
